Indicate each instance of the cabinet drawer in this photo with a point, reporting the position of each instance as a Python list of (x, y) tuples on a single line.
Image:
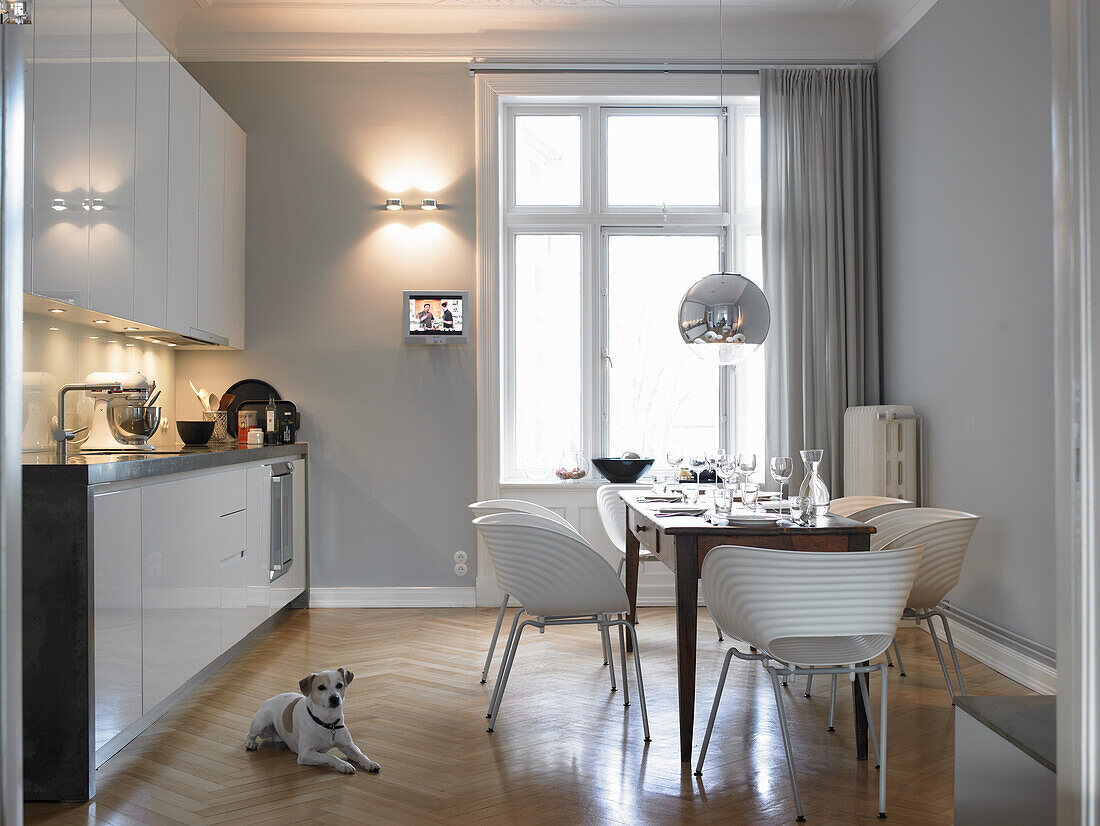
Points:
[(230, 536), (226, 491), (647, 535)]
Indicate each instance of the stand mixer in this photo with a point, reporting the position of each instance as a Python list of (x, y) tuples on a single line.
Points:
[(120, 419)]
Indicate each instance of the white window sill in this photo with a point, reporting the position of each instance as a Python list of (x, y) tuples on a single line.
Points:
[(551, 484)]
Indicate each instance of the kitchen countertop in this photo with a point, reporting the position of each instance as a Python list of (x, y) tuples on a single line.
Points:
[(1025, 721), (97, 468)]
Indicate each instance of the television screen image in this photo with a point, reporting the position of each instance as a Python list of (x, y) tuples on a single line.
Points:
[(436, 316)]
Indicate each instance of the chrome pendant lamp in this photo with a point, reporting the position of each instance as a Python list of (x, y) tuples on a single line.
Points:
[(724, 316)]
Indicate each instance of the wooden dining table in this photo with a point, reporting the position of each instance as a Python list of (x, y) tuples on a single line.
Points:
[(682, 542)]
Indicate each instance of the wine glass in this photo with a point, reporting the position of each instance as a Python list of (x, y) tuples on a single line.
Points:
[(725, 467), (697, 462), (782, 468), (675, 459), (746, 465)]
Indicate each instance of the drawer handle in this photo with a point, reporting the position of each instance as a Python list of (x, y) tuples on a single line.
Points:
[(641, 528)]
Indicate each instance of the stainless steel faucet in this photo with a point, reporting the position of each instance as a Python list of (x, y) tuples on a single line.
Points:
[(62, 435)]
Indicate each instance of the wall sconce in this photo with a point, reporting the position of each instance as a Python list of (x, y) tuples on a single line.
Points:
[(58, 205), (429, 204), (393, 204)]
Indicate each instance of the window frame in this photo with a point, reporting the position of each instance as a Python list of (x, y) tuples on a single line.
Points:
[(595, 222)]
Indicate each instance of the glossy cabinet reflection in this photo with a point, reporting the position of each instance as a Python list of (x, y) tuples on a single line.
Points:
[(111, 173), (136, 179), (211, 315), (117, 575), (183, 199), (151, 182), (62, 114)]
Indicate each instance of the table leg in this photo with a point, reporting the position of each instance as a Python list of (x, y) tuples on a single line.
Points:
[(632, 564), (860, 715), (687, 619)]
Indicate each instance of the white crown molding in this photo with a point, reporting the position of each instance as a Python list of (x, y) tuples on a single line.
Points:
[(894, 36)]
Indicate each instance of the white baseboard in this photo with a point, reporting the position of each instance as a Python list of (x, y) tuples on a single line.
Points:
[(1014, 664), (397, 597)]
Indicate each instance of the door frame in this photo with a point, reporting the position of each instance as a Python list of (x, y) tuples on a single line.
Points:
[(1076, 183)]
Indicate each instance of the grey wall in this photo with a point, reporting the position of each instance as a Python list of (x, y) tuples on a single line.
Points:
[(967, 293), (392, 428)]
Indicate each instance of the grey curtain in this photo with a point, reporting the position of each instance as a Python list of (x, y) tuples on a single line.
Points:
[(821, 257)]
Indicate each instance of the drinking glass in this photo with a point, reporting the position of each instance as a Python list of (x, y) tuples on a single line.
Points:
[(750, 495), (723, 502), (798, 505), (691, 492), (782, 468)]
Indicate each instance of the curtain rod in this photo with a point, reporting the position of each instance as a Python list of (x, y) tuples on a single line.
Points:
[(657, 68)]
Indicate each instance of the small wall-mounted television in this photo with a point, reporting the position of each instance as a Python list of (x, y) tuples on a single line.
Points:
[(437, 317)]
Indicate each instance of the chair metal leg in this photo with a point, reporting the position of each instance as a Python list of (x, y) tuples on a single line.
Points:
[(493, 641), (897, 656), (939, 654), (619, 570), (605, 641), (809, 684), (507, 648), (889, 662), (882, 746), (610, 654), (505, 671), (865, 693), (832, 704), (786, 743), (719, 630), (714, 712), (951, 648), (638, 672), (622, 653)]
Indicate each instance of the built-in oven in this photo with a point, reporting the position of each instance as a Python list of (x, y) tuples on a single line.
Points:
[(282, 519)]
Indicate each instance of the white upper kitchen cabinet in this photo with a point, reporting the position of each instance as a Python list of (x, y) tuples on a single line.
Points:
[(233, 270), (212, 317), (151, 179), (60, 168), (183, 199), (113, 97)]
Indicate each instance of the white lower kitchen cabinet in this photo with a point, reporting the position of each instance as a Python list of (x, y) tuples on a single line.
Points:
[(116, 528), (181, 588)]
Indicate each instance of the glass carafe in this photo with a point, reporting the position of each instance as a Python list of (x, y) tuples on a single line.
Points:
[(813, 489)]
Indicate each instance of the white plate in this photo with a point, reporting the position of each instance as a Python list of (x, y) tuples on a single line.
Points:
[(753, 519)]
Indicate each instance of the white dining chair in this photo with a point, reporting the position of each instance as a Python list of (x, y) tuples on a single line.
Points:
[(612, 512), (808, 611), (488, 506), (862, 508), (945, 535), (558, 579)]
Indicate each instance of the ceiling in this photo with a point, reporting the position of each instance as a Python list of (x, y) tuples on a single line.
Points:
[(530, 30)]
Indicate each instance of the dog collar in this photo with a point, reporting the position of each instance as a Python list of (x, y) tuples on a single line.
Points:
[(335, 724)]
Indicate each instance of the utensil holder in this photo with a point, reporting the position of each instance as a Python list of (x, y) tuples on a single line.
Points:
[(220, 418)]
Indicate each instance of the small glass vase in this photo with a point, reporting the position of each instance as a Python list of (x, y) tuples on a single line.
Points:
[(572, 467), (813, 490)]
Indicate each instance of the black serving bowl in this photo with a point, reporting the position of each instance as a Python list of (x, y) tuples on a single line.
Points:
[(622, 471), (195, 433)]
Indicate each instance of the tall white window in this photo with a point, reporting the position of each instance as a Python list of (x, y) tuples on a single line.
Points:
[(610, 212)]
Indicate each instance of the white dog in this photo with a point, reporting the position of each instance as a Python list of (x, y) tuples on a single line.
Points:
[(311, 723)]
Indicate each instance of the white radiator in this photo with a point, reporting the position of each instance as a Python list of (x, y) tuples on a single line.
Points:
[(881, 458)]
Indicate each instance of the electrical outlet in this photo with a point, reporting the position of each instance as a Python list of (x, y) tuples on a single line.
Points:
[(461, 557), (461, 570)]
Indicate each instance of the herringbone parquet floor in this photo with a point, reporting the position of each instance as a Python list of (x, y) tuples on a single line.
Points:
[(565, 750)]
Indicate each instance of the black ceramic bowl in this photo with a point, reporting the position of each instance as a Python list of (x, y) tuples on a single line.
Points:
[(195, 433), (622, 471)]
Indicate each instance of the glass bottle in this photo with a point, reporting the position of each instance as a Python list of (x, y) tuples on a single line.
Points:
[(813, 488)]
